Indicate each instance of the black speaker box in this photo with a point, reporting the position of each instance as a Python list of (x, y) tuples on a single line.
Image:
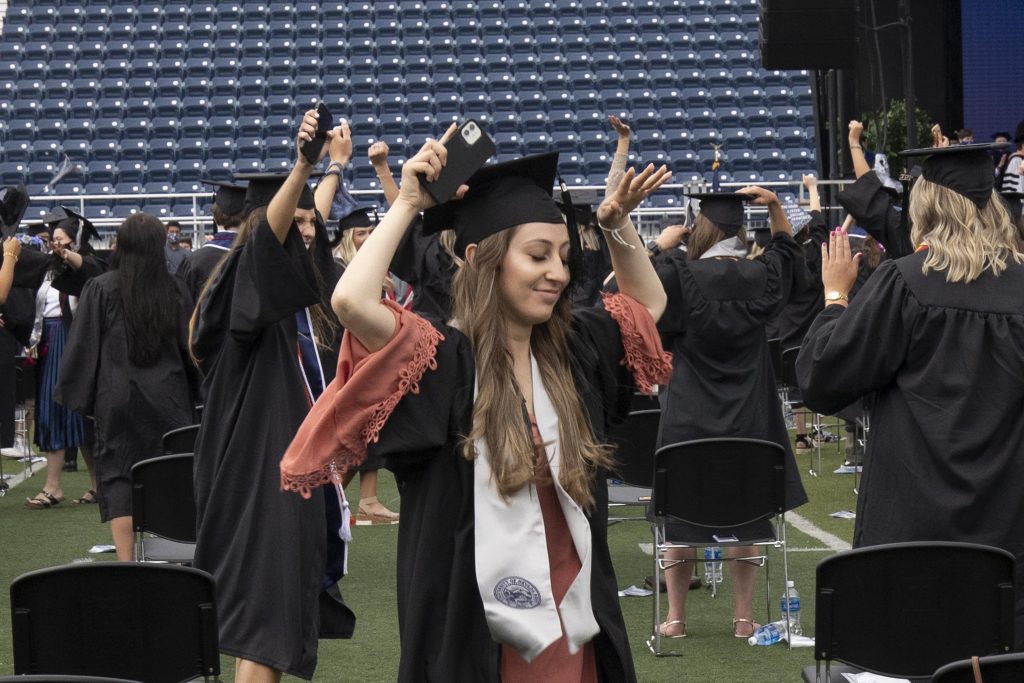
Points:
[(808, 34)]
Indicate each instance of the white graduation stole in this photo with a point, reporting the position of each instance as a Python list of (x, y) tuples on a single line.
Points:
[(512, 568)]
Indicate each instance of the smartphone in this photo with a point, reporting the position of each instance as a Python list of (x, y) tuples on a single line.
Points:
[(468, 150), (311, 150)]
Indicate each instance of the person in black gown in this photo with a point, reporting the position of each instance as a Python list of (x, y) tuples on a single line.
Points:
[(405, 390), (936, 337), (197, 265), (126, 365), (259, 331), (722, 385)]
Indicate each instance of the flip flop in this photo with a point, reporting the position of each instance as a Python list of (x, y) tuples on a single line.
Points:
[(87, 498), (41, 503), (664, 626)]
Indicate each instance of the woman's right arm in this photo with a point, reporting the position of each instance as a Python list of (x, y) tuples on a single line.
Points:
[(860, 162), (378, 154), (12, 249), (356, 299)]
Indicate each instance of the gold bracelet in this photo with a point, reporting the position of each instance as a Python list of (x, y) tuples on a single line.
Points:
[(856, 147), (11, 254)]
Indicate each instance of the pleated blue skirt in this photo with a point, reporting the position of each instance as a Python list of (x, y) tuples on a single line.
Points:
[(56, 427)]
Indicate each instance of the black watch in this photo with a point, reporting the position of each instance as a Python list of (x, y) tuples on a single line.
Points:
[(653, 247)]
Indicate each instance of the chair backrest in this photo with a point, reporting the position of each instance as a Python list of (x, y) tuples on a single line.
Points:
[(163, 497), (719, 483), (149, 622), (905, 609), (181, 440), (994, 669), (788, 360), (635, 441)]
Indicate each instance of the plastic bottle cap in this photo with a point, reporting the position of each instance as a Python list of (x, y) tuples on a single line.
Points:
[(752, 640), (790, 584)]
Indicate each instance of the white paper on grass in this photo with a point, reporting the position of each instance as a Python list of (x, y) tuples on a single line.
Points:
[(100, 548), (843, 514), (872, 678), (635, 592)]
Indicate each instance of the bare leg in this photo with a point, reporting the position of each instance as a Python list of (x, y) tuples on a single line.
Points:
[(369, 506), (800, 418), (124, 539), (744, 576), (251, 672), (54, 466), (677, 581)]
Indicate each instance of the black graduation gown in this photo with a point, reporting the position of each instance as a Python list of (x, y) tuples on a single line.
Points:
[(33, 265), (18, 315), (264, 547), (806, 295), (876, 211), (946, 364), (133, 406), (197, 267), (422, 262), (444, 634), (722, 381)]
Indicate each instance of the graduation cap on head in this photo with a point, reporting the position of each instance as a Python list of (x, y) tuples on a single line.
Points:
[(263, 186), (359, 217), (965, 169), (583, 201), (70, 222), (229, 197), (13, 203), (500, 196), (724, 209), (1013, 204)]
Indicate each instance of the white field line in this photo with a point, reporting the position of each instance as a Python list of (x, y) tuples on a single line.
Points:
[(832, 542)]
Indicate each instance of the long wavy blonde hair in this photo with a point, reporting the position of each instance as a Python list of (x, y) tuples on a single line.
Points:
[(963, 240), (346, 249), (498, 409)]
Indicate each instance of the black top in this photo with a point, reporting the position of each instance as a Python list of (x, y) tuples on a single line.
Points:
[(422, 262), (133, 406), (444, 634), (876, 211), (197, 266), (946, 365), (264, 547), (806, 293), (722, 381)]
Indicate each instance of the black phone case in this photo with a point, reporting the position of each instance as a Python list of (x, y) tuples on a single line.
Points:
[(311, 150), (463, 161)]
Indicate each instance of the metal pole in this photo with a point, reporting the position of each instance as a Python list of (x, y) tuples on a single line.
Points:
[(833, 167), (909, 98)]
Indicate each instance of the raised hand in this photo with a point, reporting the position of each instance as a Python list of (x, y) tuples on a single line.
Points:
[(856, 129), (838, 268), (12, 246), (429, 161), (632, 190), (671, 236), (761, 196), (341, 144), (810, 182), (622, 129), (307, 129), (378, 153)]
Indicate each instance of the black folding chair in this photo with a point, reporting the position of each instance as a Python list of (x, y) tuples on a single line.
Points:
[(181, 440), (634, 441), (163, 504), (905, 609), (145, 622), (718, 487), (993, 669)]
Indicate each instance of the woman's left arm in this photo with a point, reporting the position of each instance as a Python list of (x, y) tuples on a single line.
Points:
[(632, 267)]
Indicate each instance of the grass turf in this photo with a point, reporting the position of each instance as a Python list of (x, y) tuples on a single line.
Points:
[(32, 539)]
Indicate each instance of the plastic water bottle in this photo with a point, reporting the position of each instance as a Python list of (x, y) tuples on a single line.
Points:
[(769, 634), (709, 566), (717, 555), (790, 603)]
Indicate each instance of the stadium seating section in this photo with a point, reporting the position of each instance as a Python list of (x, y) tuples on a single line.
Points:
[(152, 96)]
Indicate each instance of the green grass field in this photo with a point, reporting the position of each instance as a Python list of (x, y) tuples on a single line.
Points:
[(32, 539)]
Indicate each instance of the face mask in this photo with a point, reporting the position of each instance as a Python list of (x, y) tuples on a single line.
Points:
[(173, 238)]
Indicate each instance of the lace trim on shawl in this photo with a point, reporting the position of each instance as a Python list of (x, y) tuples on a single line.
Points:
[(424, 358), (648, 364)]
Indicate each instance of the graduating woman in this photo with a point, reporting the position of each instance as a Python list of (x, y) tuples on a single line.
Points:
[(260, 328), (493, 424), (126, 365), (936, 336), (722, 383)]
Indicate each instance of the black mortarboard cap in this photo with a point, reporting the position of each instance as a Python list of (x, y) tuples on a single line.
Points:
[(965, 169), (583, 201), (724, 209), (61, 215), (229, 197), (263, 186), (13, 203), (500, 196), (1013, 204), (359, 217)]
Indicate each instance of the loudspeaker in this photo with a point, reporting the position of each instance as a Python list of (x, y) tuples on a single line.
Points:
[(808, 34)]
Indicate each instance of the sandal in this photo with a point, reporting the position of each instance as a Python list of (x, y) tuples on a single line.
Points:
[(42, 501), (753, 627), (803, 443), (384, 516), (664, 626), (87, 498)]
